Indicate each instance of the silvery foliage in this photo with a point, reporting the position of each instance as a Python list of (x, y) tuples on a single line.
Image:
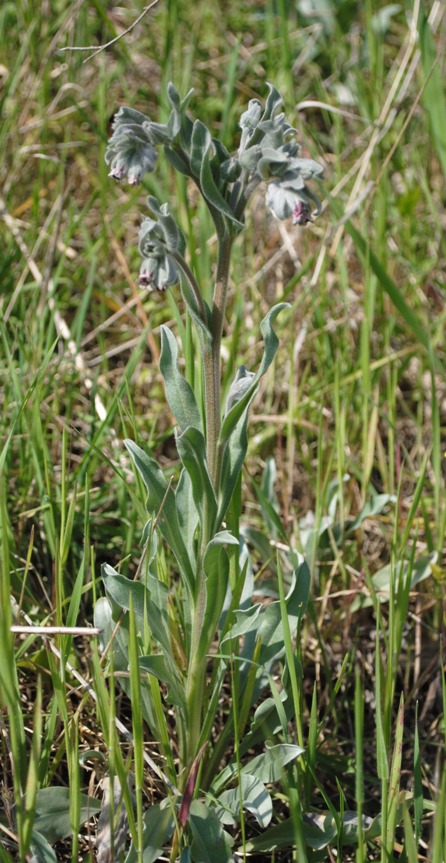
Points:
[(268, 153)]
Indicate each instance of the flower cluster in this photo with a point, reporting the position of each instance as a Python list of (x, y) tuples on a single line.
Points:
[(159, 240), (130, 149), (268, 153)]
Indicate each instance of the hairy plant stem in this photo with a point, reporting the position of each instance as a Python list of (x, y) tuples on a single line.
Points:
[(196, 678), (211, 360)]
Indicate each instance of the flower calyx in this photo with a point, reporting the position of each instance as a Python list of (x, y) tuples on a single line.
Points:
[(159, 240)]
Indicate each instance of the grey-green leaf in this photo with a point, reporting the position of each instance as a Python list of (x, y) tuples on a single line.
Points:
[(179, 393), (191, 448), (53, 812), (210, 844), (158, 828), (271, 344), (41, 849), (216, 567), (187, 513), (164, 670), (266, 767), (161, 502), (253, 796)]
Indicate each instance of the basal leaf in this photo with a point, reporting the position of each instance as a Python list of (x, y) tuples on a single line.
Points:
[(53, 812), (320, 830), (266, 767), (41, 849), (158, 828), (210, 843), (162, 668), (252, 795)]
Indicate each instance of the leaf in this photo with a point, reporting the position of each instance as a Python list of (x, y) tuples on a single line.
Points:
[(320, 830), (270, 631), (41, 849), (191, 448), (161, 502), (210, 844), (201, 144), (103, 619), (179, 393), (216, 567), (53, 812), (381, 580), (164, 670), (158, 828), (271, 344), (149, 599), (245, 621), (157, 615), (187, 513), (233, 458), (252, 795), (372, 507), (233, 436), (120, 589), (266, 767)]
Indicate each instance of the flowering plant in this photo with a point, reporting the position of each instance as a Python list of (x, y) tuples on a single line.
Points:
[(168, 626)]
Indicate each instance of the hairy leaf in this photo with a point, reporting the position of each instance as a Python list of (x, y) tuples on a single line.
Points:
[(191, 448), (161, 502), (179, 393), (210, 843)]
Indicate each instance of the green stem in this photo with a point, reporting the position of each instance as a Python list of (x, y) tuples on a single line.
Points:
[(196, 677), (211, 360)]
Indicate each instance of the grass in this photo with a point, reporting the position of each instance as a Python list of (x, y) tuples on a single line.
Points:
[(354, 405)]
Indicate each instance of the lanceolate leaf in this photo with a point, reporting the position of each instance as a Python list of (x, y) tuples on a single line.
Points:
[(320, 829), (53, 812), (271, 344), (210, 842), (216, 567), (200, 146), (233, 459), (161, 502), (252, 795), (158, 828), (266, 767), (179, 393), (187, 513), (149, 599), (164, 670), (191, 448), (120, 589)]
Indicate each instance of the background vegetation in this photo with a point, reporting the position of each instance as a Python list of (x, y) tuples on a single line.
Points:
[(347, 436)]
